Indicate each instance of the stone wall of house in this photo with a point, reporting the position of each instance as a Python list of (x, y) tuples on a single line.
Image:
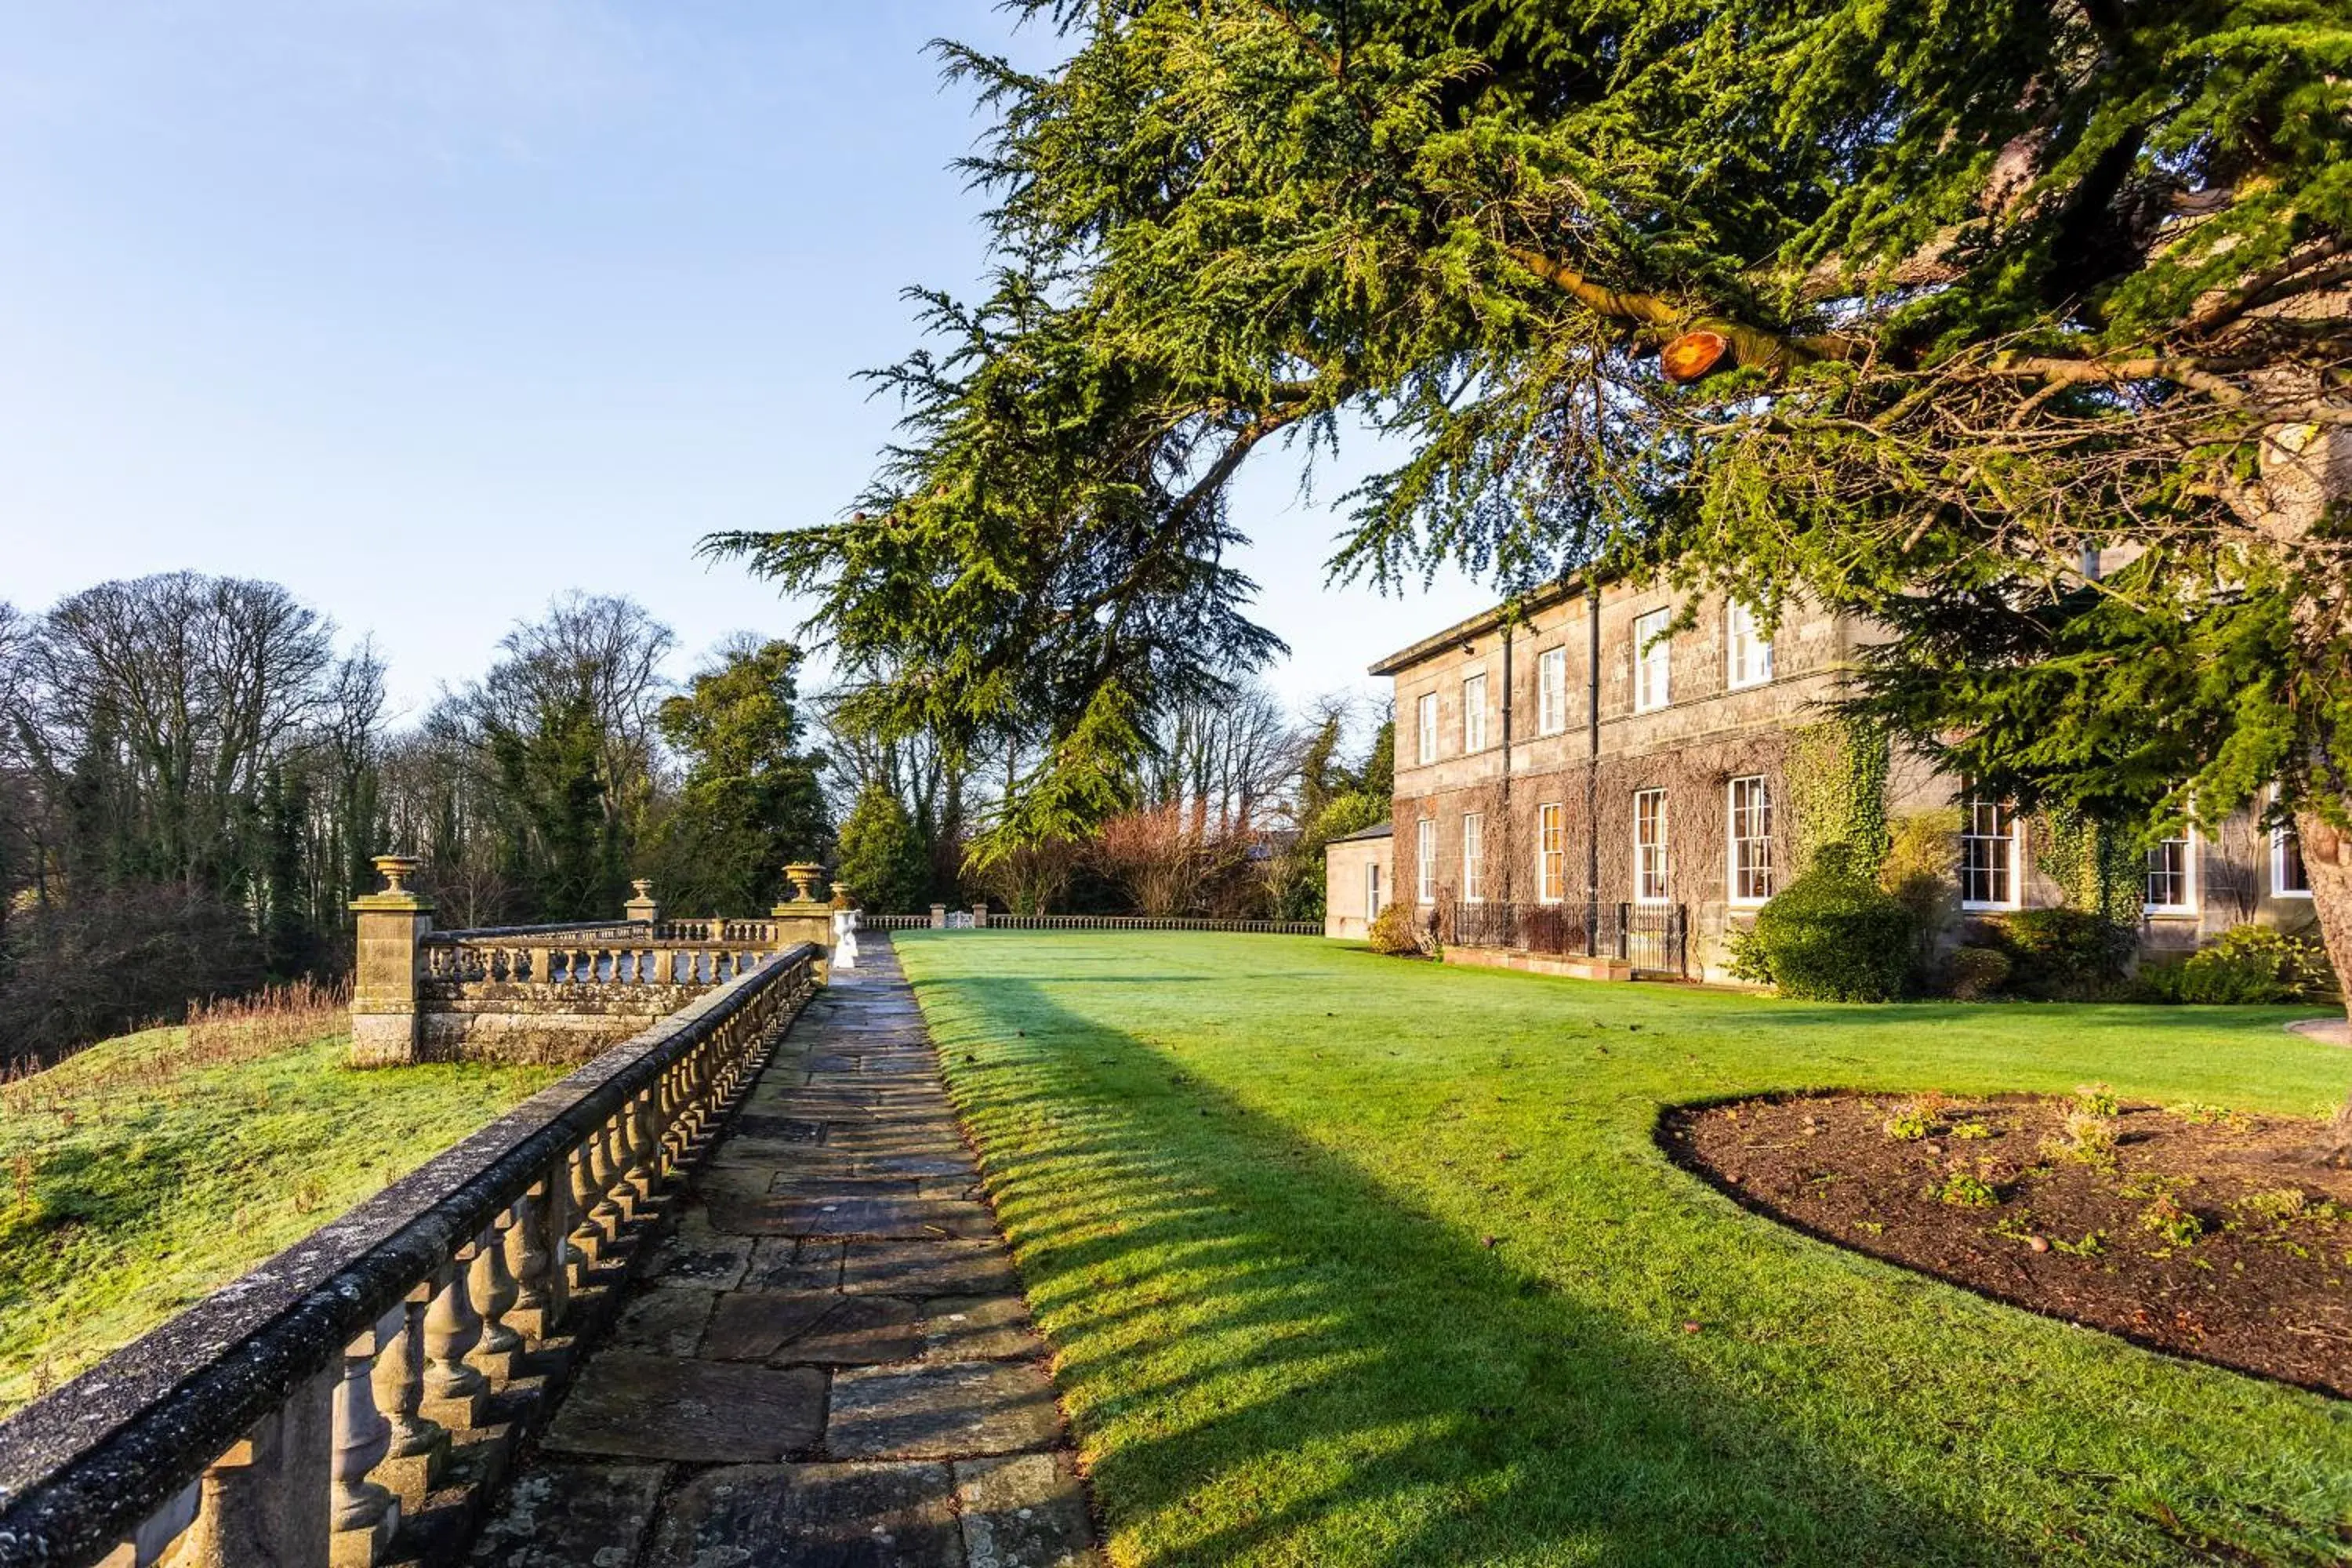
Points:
[(1707, 733), (1347, 896)]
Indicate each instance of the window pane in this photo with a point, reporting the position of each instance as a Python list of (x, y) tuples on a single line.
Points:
[(1472, 856), (1988, 855), (1651, 650), (1474, 713), (1752, 840)]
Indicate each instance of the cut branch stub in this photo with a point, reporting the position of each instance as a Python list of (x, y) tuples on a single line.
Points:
[(1693, 354)]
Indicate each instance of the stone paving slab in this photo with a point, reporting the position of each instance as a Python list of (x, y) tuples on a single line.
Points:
[(630, 1405), (814, 1516), (827, 1361)]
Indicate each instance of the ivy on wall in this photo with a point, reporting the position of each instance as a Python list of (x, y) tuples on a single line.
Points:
[(2100, 868), (1835, 777)]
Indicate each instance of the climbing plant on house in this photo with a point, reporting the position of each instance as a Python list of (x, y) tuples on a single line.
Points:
[(1905, 306)]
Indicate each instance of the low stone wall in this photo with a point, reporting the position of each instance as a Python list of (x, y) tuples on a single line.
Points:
[(523, 1022), (1575, 967)]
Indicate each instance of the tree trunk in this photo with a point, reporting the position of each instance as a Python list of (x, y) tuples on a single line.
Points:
[(2328, 866)]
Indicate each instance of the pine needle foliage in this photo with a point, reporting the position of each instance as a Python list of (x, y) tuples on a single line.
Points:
[(1982, 287)]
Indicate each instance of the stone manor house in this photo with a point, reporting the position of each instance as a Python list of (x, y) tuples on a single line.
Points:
[(1594, 786)]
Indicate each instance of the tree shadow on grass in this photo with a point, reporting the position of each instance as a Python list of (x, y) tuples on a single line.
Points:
[(1350, 1379)]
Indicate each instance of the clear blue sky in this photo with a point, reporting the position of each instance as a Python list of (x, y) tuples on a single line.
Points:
[(429, 308)]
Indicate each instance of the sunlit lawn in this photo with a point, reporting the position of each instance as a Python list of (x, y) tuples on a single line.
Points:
[(1352, 1260), (132, 1182)]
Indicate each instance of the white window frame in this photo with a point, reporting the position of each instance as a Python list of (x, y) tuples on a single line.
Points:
[(1371, 891), (1552, 691), (1474, 712), (1474, 856), (2187, 840), (2015, 837), (1651, 868), (2283, 839), (1426, 717), (1425, 860), (1759, 811), (1652, 660), (1551, 853), (1747, 651)]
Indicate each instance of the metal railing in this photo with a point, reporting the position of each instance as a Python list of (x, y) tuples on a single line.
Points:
[(263, 1425), (1654, 939)]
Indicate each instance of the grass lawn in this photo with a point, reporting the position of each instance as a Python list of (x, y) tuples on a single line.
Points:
[(1349, 1260), (135, 1179)]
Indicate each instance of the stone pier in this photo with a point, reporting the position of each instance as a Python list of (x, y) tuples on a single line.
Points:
[(829, 1360)]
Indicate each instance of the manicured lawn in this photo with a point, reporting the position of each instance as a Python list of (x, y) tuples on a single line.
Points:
[(133, 1181), (1348, 1261)]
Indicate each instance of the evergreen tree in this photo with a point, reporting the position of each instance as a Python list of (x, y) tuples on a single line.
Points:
[(751, 800), (1905, 307), (882, 857)]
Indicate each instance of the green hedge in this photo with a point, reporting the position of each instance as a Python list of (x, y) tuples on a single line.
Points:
[(1835, 936)]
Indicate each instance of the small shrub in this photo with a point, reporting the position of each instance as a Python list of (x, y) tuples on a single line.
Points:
[(1973, 973), (2276, 1206), (2248, 965), (2172, 1224), (2199, 1115), (2096, 1100), (1744, 957), (1971, 1129), (1963, 1191), (1909, 1124), (2093, 1245), (2062, 954), (1394, 933), (1837, 936), (2087, 1140)]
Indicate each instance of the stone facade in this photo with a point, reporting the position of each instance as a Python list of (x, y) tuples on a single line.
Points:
[(1358, 880), (1711, 728)]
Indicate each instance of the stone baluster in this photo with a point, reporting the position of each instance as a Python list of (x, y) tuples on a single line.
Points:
[(454, 1392), (496, 1292), (418, 1446), (365, 1514), (637, 1130), (584, 1242), (153, 1541), (268, 1500), (531, 1244)]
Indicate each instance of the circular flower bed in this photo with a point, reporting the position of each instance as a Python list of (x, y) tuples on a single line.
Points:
[(2188, 1229)]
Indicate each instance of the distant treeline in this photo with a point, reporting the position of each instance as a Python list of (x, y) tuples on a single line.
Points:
[(194, 774), (196, 770)]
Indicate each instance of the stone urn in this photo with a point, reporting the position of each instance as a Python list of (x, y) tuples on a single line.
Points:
[(396, 870), (803, 875)]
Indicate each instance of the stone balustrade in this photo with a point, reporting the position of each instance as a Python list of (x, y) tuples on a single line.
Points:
[(306, 1416), (552, 992)]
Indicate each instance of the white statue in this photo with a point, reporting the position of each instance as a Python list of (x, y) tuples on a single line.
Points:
[(845, 939)]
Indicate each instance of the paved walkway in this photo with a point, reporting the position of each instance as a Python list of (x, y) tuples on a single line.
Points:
[(828, 1364)]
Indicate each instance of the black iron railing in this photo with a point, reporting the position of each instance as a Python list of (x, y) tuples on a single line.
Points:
[(1652, 938)]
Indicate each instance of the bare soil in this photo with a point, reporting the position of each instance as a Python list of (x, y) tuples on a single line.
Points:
[(2192, 1230)]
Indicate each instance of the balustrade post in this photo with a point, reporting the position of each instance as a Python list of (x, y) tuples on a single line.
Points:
[(454, 1392), (392, 923), (266, 1502), (495, 1292), (365, 1514), (418, 1447)]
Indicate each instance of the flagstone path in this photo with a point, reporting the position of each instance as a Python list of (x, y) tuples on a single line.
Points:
[(828, 1364)]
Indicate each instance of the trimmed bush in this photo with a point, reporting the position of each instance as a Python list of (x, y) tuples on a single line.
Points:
[(2065, 955), (1835, 935), (1394, 933), (2249, 964), (1974, 973)]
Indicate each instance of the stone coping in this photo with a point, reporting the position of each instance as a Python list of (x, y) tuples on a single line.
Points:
[(86, 1464), (567, 928)]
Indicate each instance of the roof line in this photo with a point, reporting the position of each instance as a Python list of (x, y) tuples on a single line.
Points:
[(1486, 620)]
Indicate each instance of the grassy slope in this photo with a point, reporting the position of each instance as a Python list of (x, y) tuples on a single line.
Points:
[(149, 1187), (1251, 1181)]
